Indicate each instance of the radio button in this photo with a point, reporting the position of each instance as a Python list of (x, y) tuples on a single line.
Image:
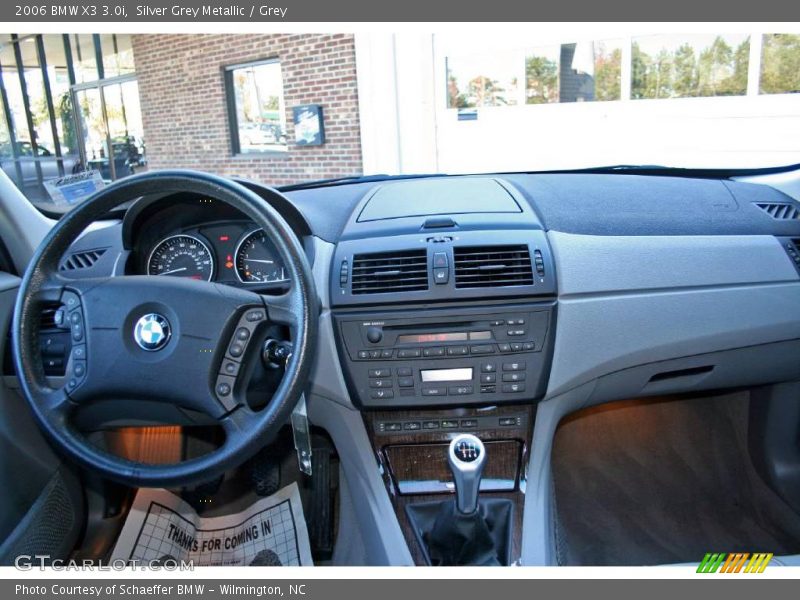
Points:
[(497, 323), (504, 347), (483, 349), (512, 322), (405, 382), (457, 350), (380, 383), (516, 332), (409, 353), (363, 354), (411, 426), (373, 354), (459, 390), (381, 394), (380, 372), (488, 377), (516, 347), (487, 389), (469, 423), (434, 391), (513, 388), (433, 352), (528, 346), (374, 335), (404, 372), (518, 376), (488, 368), (508, 421), (387, 353), (430, 424), (448, 424), (392, 427), (514, 366)]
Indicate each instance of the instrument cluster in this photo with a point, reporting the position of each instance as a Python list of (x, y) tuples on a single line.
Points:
[(236, 253)]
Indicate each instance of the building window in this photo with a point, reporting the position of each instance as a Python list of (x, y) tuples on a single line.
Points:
[(477, 81), (780, 63), (581, 72), (117, 54), (689, 66), (84, 57), (256, 107)]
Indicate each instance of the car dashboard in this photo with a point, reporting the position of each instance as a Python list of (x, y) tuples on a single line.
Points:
[(496, 305)]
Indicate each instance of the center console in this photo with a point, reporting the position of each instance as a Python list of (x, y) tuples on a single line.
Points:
[(443, 295)]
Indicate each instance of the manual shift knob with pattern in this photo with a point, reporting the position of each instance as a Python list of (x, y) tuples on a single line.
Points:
[(466, 456)]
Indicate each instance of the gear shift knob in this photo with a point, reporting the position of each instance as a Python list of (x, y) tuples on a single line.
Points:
[(466, 457)]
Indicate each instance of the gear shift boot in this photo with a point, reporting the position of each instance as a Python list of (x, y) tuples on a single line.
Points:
[(450, 538)]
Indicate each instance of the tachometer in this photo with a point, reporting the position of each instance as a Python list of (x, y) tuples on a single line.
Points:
[(257, 261), (182, 256)]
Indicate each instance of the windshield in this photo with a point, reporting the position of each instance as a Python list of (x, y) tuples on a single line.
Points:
[(82, 110)]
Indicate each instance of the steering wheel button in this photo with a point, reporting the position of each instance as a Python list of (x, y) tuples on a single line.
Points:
[(79, 352), (70, 300), (223, 389), (236, 349), (242, 334), (230, 367), (75, 318), (77, 332), (255, 315), (79, 369)]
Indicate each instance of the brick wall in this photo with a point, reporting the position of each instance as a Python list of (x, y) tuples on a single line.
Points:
[(185, 115)]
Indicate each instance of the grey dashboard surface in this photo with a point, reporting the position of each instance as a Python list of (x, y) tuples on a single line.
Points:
[(630, 301)]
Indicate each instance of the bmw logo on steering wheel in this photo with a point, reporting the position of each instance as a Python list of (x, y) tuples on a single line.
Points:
[(152, 332)]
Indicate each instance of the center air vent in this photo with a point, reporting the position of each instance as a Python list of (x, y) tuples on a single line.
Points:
[(383, 272), (780, 211), (492, 266)]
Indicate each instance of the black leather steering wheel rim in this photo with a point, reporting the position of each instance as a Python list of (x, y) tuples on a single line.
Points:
[(245, 429)]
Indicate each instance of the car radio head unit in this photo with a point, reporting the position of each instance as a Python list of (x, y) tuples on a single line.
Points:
[(453, 356)]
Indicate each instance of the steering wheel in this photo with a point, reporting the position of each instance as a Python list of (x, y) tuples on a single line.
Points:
[(163, 339)]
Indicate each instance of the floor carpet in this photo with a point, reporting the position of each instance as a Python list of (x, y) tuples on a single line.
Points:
[(650, 482)]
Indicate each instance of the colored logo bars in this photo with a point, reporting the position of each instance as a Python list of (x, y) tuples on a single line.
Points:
[(736, 562)]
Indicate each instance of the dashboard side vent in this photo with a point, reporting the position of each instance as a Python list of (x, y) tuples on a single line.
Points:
[(492, 266), (82, 260), (780, 211), (384, 272)]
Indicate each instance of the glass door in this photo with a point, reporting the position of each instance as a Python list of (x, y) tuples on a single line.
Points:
[(111, 127)]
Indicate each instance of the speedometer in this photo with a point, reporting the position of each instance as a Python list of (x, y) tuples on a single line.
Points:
[(182, 256), (257, 261)]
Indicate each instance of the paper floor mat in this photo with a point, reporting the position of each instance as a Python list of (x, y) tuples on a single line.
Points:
[(161, 527)]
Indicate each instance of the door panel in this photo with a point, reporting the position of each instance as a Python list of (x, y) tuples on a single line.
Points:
[(41, 508)]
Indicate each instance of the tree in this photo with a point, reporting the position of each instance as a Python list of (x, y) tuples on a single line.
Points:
[(608, 75), (640, 65), (714, 66), (685, 72), (484, 91), (541, 80), (780, 64), (455, 99)]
